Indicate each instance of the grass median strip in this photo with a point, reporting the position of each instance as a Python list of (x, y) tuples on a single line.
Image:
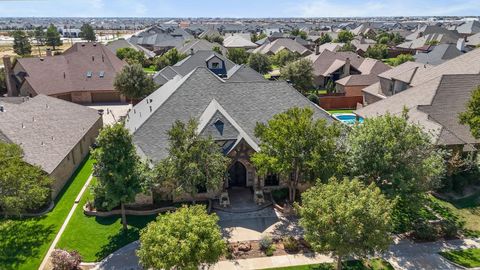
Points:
[(373, 264)]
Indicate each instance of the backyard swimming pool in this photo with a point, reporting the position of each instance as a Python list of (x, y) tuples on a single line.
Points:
[(348, 118)]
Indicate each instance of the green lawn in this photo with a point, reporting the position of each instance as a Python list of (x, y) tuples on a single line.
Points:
[(468, 257), (96, 237), (24, 242), (374, 264), (340, 111), (465, 211), (149, 70)]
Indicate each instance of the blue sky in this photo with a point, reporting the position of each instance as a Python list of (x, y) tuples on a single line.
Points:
[(236, 8)]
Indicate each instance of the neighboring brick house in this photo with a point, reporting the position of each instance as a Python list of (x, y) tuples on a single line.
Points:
[(53, 134), (82, 74)]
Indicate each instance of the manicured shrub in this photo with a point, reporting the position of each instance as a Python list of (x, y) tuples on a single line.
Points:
[(64, 260), (265, 242), (291, 244), (426, 231), (269, 252)]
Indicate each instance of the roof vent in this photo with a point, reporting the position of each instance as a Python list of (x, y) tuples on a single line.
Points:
[(2, 109), (41, 59), (94, 44)]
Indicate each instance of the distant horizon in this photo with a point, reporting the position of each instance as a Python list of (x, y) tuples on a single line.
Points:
[(236, 9)]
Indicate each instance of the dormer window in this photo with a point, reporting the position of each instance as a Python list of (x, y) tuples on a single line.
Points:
[(89, 74), (219, 126)]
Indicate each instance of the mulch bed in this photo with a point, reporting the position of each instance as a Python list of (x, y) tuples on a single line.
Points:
[(251, 249)]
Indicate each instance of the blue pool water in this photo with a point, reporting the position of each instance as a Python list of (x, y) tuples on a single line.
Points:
[(348, 118)]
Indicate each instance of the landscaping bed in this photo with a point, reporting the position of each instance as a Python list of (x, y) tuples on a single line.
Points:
[(267, 247)]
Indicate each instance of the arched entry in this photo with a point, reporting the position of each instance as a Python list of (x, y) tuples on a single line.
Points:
[(238, 175)]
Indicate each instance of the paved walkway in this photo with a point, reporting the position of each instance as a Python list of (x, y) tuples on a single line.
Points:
[(64, 225), (403, 255)]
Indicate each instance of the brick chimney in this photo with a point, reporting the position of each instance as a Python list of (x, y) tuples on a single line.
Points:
[(12, 90), (49, 52), (346, 68)]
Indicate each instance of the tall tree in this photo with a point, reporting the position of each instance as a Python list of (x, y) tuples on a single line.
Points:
[(299, 73), (217, 50), (52, 37), (21, 44), (260, 63), (118, 168), (348, 47), (284, 57), (295, 145), (324, 38), (184, 239), (344, 36), (87, 32), (132, 56), (471, 116), (193, 161), (39, 35), (133, 82), (346, 218), (299, 33), (400, 59), (170, 58), (396, 155), (237, 55), (23, 187), (256, 37), (377, 51)]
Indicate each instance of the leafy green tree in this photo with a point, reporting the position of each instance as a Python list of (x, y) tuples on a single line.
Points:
[(377, 51), (384, 40), (400, 59), (217, 49), (395, 155), (348, 47), (131, 55), (87, 32), (23, 187), (256, 37), (471, 116), (118, 168), (299, 33), (40, 36), (21, 44), (52, 37), (283, 57), (214, 39), (344, 36), (193, 162), (346, 218), (237, 55), (432, 42), (297, 146), (170, 58), (324, 38), (260, 63), (133, 82), (299, 73), (389, 38), (183, 240)]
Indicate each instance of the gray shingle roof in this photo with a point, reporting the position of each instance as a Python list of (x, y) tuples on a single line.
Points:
[(182, 98), (439, 54), (46, 128)]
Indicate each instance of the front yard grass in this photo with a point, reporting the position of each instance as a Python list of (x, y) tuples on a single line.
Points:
[(97, 237), (374, 264), (24, 242), (465, 211), (150, 70), (468, 257), (340, 111)]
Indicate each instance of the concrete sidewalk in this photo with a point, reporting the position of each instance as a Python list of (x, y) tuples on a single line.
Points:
[(271, 262)]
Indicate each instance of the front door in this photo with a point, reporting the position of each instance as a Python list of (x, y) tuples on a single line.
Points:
[(238, 175)]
